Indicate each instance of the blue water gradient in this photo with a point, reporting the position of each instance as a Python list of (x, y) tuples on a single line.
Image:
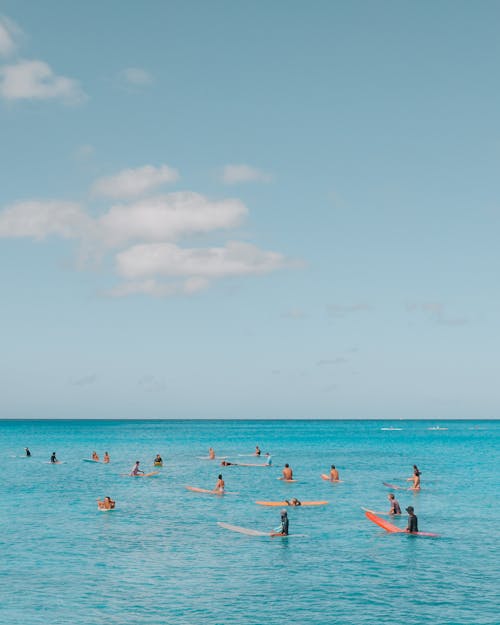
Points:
[(160, 558)]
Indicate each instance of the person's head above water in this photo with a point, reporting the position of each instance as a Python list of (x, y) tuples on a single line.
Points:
[(287, 465), (284, 513), (220, 476), (391, 495), (410, 510)]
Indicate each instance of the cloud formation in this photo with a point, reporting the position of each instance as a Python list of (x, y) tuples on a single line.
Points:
[(130, 183), (40, 219), (234, 174), (9, 32)]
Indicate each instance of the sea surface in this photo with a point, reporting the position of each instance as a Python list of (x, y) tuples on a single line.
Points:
[(160, 558)]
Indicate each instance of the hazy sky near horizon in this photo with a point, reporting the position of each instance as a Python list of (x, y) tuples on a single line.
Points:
[(269, 209)]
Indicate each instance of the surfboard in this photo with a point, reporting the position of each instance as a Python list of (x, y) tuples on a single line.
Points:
[(390, 527), (391, 429), (206, 491), (248, 464), (394, 486), (326, 477), (89, 460), (252, 532), (285, 503), (285, 480), (152, 474), (58, 462)]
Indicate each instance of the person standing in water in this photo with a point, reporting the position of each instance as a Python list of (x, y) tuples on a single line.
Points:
[(158, 461), (135, 469), (287, 473), (395, 507), (412, 520), (106, 458), (211, 454), (283, 529), (219, 487), (415, 478), (28, 452), (334, 474), (106, 504)]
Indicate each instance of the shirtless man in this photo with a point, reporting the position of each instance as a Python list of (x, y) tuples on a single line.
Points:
[(95, 456), (287, 473), (219, 487), (106, 457), (334, 474), (211, 454)]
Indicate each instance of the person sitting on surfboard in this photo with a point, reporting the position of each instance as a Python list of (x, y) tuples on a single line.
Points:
[(95, 456), (334, 474), (283, 529), (211, 454), (257, 450), (293, 502), (107, 504), (412, 520), (415, 478), (268, 459), (287, 472), (53, 459), (28, 452), (106, 457), (135, 469), (158, 461), (219, 487), (395, 507)]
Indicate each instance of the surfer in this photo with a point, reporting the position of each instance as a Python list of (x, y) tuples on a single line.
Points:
[(287, 472), (226, 463), (106, 458), (283, 529), (257, 450), (211, 454), (28, 452), (293, 502), (219, 487), (106, 504), (53, 459), (412, 520), (158, 461), (95, 457), (334, 474), (395, 507), (135, 469), (415, 478), (268, 459)]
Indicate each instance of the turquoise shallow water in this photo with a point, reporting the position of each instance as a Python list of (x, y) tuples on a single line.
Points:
[(160, 557)]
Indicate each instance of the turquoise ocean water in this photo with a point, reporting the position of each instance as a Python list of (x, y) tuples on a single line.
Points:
[(160, 558)]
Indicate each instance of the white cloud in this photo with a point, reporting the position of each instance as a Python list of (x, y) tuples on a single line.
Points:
[(168, 217), (39, 219), (35, 80), (9, 31), (136, 76), (130, 183), (166, 259), (233, 174)]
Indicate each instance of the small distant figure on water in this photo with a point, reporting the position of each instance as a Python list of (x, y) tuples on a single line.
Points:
[(27, 452), (226, 463), (293, 502), (415, 478), (334, 474), (257, 450), (106, 458), (395, 507), (95, 456), (219, 487), (135, 469), (158, 461), (287, 472), (282, 530), (412, 520), (268, 459), (106, 504), (53, 458), (211, 454)]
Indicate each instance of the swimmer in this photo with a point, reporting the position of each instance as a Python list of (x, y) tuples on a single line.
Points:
[(257, 450), (53, 459), (282, 530), (211, 454), (287, 473), (106, 458), (219, 487), (106, 504), (158, 461), (415, 478), (293, 502), (28, 452), (334, 474), (95, 456), (135, 469), (395, 507), (412, 520)]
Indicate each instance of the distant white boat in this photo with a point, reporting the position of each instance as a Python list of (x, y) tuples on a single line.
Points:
[(392, 429), (437, 427)]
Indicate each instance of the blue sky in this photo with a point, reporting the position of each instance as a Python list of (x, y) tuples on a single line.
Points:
[(249, 210)]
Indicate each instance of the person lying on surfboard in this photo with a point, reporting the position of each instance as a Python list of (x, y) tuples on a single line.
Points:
[(135, 469), (282, 530), (395, 507), (106, 504), (334, 474), (219, 487), (293, 502), (412, 520), (287, 472), (226, 463)]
